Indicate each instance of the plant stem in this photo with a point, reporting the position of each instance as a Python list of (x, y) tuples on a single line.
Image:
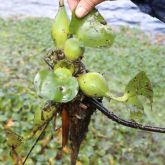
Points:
[(123, 98), (121, 121), (46, 125)]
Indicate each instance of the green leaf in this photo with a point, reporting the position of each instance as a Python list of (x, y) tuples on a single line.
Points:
[(136, 108), (48, 112), (47, 85), (92, 30), (52, 87), (37, 116), (41, 117), (39, 78), (140, 85), (13, 140)]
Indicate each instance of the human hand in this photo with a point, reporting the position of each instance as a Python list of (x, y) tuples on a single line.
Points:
[(83, 7)]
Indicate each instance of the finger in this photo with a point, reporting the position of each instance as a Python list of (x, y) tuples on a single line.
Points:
[(84, 6), (73, 4)]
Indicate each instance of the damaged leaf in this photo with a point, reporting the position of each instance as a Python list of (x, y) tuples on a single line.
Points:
[(92, 30), (140, 85)]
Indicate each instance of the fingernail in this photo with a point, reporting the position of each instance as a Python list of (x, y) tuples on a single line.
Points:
[(81, 11)]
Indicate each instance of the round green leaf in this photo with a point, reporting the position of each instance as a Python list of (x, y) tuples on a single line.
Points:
[(47, 85), (52, 87), (69, 89)]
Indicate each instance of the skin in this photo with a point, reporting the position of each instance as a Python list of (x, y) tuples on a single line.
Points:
[(83, 7)]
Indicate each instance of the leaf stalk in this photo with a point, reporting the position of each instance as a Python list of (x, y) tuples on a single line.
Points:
[(121, 121)]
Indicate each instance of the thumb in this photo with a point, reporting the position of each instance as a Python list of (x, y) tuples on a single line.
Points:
[(85, 6), (73, 4)]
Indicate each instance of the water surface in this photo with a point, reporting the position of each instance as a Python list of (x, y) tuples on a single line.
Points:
[(115, 12)]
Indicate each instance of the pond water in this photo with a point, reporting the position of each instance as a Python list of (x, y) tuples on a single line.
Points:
[(115, 12)]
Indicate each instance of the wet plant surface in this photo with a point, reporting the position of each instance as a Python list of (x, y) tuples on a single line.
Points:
[(25, 43)]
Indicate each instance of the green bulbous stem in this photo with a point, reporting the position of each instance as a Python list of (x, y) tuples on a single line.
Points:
[(93, 84), (63, 72), (73, 49), (60, 28)]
